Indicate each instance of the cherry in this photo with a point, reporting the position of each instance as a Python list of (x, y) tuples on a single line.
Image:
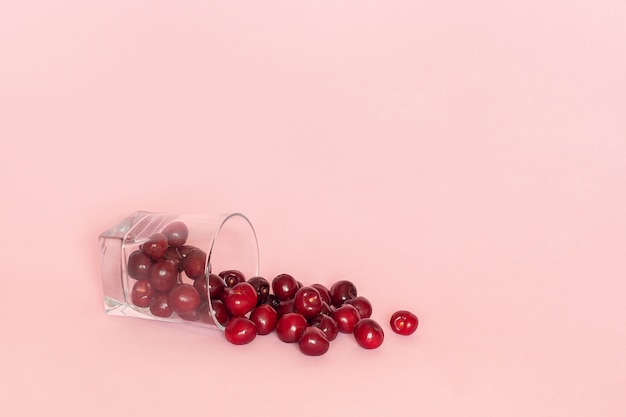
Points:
[(185, 249), (160, 306), (285, 307), (308, 302), (173, 254), (216, 286), (362, 304), (326, 309), (241, 299), (194, 263), (220, 311), (156, 246), (176, 233), (404, 322), (326, 324), (368, 334), (232, 277), (164, 275), (324, 292), (290, 327), (139, 265), (341, 291), (201, 286), (262, 287), (346, 317), (313, 342), (265, 318), (141, 293), (284, 287), (184, 298), (240, 331)]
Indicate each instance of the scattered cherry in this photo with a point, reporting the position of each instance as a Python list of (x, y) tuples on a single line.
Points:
[(284, 287), (313, 342), (262, 287), (308, 302), (404, 322), (326, 324), (324, 292), (341, 291), (368, 334), (241, 299), (362, 304), (265, 318), (240, 331), (290, 327), (232, 277), (346, 317)]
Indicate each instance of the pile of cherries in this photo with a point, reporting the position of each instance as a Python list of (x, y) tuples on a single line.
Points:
[(311, 316)]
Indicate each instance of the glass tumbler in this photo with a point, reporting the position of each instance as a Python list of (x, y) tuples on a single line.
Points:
[(163, 266)]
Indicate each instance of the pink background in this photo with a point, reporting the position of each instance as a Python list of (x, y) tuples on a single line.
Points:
[(462, 159)]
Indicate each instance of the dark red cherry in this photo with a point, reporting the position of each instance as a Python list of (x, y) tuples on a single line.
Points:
[(265, 318), (313, 342), (308, 302), (160, 306), (368, 334), (285, 307), (326, 309), (326, 324), (221, 312), (262, 287), (404, 322), (241, 299), (201, 286), (185, 249), (194, 263), (176, 233), (184, 299), (324, 292), (141, 293), (342, 291), (232, 277), (362, 304), (290, 327), (139, 265), (284, 287), (156, 246), (273, 301), (216, 286), (346, 317), (173, 254), (240, 331), (164, 275)]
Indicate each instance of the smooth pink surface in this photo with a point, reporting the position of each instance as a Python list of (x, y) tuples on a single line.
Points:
[(465, 160)]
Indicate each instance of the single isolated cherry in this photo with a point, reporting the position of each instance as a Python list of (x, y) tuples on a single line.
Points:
[(368, 334), (404, 322), (241, 299), (308, 302), (176, 233), (313, 342), (184, 299), (284, 287), (265, 318), (240, 331), (290, 327), (346, 317), (139, 265), (341, 291)]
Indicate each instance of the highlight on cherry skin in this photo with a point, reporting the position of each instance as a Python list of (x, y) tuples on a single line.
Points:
[(169, 278)]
